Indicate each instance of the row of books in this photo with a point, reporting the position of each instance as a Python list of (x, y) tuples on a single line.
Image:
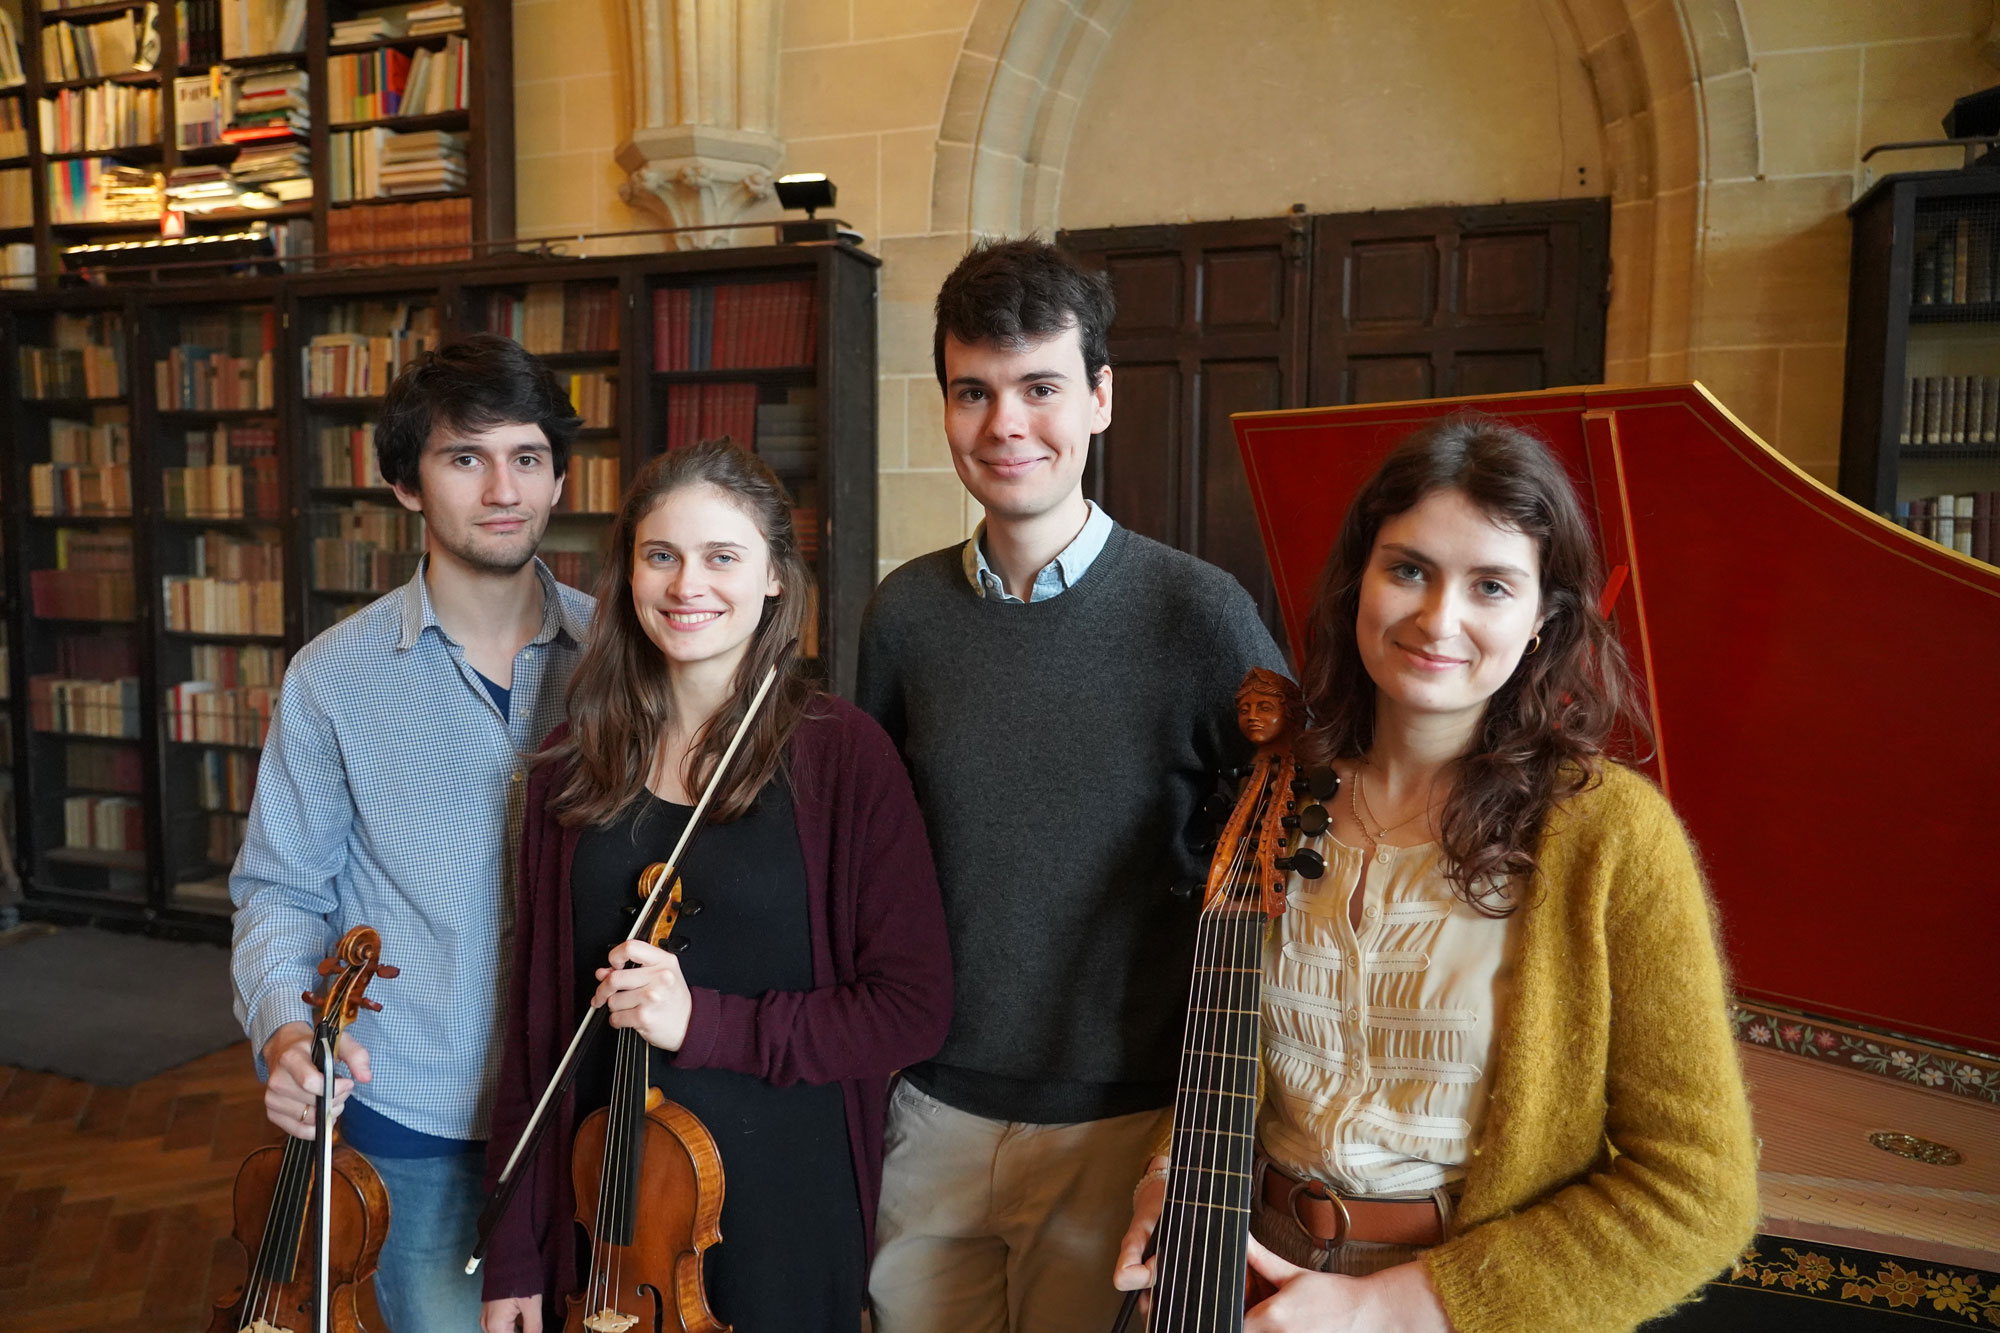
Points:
[(17, 197), (578, 569), (106, 768), (204, 713), (222, 555), (72, 51), (224, 606), (226, 780), (356, 365), (1951, 409), (554, 317), (12, 73), (84, 707), (594, 393), (1955, 261), (100, 189), (89, 443), (231, 665), (192, 378), (244, 486), (81, 594), (733, 327), (698, 412), (365, 548), (262, 27), (1965, 523), (13, 127), (382, 164), (63, 490), (198, 32), (104, 823), (102, 116), (591, 485), (87, 360), (788, 434), (345, 455), (380, 84), (433, 231), (416, 21)]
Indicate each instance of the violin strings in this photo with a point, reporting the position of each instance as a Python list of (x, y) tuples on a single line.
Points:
[(294, 1177), (1198, 1067), (598, 1252)]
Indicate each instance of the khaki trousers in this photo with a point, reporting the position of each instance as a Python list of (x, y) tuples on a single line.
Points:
[(992, 1227)]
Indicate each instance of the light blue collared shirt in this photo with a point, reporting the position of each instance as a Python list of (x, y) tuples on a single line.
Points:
[(1058, 576), (390, 795)]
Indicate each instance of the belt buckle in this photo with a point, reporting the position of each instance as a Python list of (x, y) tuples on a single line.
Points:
[(1319, 1191)]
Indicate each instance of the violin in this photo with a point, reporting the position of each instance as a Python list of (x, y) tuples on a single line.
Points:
[(309, 1276), (648, 1191), (1203, 1280)]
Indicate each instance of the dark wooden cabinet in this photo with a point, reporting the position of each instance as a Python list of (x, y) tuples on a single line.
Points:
[(169, 789), (1216, 318), (1920, 425)]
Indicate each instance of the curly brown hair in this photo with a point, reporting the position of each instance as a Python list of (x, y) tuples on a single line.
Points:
[(619, 700), (1544, 732)]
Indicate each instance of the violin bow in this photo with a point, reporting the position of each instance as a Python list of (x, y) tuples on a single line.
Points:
[(323, 1195), (663, 878)]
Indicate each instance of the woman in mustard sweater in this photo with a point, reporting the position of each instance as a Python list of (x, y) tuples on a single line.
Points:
[(1499, 1089)]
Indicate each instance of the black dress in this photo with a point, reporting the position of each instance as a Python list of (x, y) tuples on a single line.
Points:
[(791, 1251)]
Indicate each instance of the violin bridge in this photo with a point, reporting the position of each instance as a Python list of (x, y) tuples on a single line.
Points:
[(263, 1326), (609, 1320)]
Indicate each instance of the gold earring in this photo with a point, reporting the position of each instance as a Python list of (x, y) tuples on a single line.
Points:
[(1534, 646)]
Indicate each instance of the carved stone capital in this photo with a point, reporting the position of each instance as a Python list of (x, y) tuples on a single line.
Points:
[(698, 175)]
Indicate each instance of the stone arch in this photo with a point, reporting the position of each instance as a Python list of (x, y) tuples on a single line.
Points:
[(1675, 95)]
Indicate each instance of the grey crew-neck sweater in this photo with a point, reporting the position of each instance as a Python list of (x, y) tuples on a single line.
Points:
[(1059, 750)]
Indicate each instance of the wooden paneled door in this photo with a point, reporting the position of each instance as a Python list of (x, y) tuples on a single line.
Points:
[(1212, 319), (1450, 302), (1223, 317)]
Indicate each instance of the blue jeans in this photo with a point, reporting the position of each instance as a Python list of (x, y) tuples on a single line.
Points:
[(434, 1202)]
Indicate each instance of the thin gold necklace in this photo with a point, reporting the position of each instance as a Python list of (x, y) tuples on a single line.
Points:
[(1360, 802)]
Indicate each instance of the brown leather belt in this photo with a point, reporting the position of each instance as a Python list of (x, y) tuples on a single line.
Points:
[(1330, 1218)]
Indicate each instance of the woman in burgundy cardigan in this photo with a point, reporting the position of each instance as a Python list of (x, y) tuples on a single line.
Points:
[(814, 958)]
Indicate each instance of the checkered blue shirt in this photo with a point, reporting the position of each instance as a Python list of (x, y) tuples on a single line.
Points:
[(390, 795)]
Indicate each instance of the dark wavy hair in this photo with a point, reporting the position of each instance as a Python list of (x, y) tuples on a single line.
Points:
[(619, 700), (471, 383), (1544, 733), (1016, 292)]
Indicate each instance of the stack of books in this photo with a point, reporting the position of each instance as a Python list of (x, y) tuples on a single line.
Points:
[(369, 27), (202, 188), (72, 51), (282, 170), (89, 471), (443, 16), (788, 434), (262, 27), (99, 189), (379, 163), (268, 104)]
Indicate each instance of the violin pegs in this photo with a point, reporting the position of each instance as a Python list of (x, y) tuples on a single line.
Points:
[(373, 1006), (1301, 786), (1217, 808), (328, 966), (1322, 782), (679, 943), (690, 907), (1306, 863), (1289, 821), (310, 998), (1184, 889), (1310, 821), (388, 971)]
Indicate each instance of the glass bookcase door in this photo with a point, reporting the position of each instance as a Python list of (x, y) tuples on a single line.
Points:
[(86, 718), (361, 541), (219, 558), (573, 326), (1948, 463), (735, 360)]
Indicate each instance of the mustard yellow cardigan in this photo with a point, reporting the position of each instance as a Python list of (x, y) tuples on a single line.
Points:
[(1616, 1171)]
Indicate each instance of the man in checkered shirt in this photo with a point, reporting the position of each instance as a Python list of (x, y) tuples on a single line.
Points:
[(390, 795)]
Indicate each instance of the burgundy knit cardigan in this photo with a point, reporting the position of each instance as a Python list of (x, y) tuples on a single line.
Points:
[(881, 978)]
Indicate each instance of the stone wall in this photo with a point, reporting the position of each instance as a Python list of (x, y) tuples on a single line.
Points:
[(1727, 132)]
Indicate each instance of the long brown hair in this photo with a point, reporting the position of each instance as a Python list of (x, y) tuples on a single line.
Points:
[(619, 700), (1544, 731)]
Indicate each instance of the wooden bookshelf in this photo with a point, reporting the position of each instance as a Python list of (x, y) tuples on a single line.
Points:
[(603, 326), (486, 120), (1921, 420)]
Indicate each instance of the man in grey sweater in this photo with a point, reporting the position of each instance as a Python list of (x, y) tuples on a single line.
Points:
[(1063, 691)]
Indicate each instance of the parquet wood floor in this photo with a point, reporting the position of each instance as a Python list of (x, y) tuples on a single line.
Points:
[(115, 1202)]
